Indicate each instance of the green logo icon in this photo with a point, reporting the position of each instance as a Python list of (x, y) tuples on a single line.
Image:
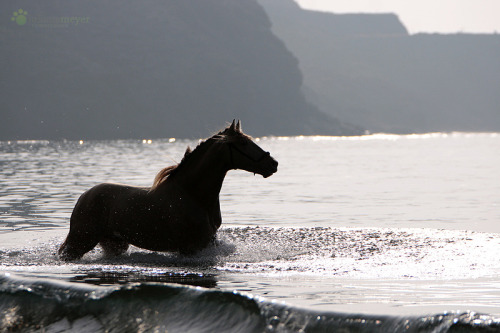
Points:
[(19, 17)]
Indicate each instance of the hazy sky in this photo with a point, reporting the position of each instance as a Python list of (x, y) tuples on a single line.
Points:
[(444, 16)]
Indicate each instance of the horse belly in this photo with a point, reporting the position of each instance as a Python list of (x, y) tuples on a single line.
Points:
[(169, 233)]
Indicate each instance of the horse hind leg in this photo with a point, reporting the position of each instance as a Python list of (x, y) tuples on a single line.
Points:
[(75, 246), (86, 224), (77, 243), (84, 234), (113, 246)]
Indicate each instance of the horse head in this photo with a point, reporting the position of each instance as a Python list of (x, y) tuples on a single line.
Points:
[(245, 154)]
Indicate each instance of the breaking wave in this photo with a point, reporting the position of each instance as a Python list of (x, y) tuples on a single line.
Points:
[(48, 305)]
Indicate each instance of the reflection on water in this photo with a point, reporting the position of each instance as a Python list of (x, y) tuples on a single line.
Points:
[(103, 278)]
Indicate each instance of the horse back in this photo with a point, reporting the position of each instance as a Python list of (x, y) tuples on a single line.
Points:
[(96, 205)]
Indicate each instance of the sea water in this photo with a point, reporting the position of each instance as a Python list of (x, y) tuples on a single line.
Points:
[(374, 233)]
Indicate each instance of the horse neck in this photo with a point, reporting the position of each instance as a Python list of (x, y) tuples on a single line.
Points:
[(204, 174)]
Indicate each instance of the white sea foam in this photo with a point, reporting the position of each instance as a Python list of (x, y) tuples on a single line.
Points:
[(421, 254)]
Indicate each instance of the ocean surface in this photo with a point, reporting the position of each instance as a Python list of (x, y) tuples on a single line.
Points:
[(376, 233)]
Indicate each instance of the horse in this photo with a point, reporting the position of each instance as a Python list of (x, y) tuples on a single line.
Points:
[(180, 212)]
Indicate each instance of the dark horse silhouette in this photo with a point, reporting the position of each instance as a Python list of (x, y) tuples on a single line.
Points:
[(180, 212)]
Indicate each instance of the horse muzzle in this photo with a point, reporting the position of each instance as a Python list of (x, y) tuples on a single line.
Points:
[(270, 167)]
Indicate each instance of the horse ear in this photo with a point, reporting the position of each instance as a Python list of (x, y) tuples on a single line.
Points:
[(232, 127), (238, 126), (188, 151)]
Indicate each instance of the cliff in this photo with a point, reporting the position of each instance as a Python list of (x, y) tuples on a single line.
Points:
[(367, 70), (107, 69)]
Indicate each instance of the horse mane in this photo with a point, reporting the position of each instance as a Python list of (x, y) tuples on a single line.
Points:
[(162, 175), (227, 134)]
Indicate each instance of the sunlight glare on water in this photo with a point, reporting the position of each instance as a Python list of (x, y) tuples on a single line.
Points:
[(435, 180)]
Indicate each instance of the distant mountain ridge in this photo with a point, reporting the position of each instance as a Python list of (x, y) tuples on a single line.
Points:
[(148, 69), (365, 69)]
